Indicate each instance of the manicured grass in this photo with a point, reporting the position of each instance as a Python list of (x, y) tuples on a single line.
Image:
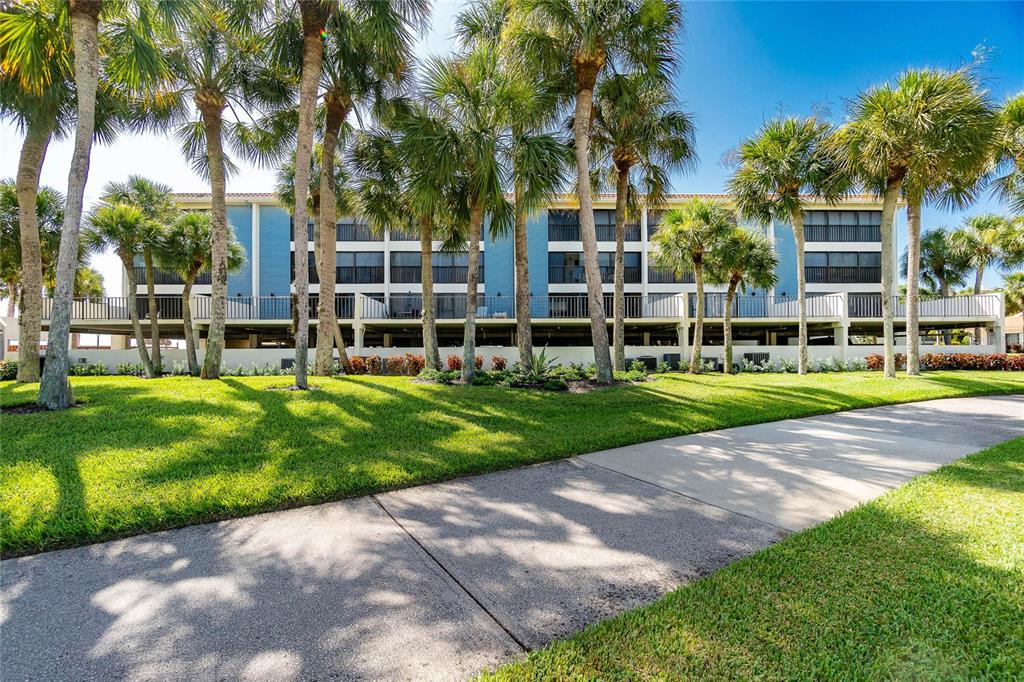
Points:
[(925, 583), (142, 455)]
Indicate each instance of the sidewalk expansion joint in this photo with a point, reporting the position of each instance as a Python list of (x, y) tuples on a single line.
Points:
[(522, 645)]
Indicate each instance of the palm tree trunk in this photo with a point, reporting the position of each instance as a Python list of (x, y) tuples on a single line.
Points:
[(154, 318), (698, 327), (430, 352), (944, 290), (186, 318), (30, 320), (588, 233), (892, 192), (337, 110), (619, 306), (476, 225), (133, 313), (54, 388), (12, 298), (913, 285), (797, 219), (212, 109), (730, 294), (313, 20), (524, 329)]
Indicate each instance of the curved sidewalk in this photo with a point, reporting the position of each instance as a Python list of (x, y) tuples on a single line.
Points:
[(439, 581)]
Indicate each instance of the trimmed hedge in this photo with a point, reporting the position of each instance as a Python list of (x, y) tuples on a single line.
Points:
[(1005, 361)]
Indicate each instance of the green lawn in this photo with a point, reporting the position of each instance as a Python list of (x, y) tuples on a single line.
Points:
[(925, 583), (142, 455)]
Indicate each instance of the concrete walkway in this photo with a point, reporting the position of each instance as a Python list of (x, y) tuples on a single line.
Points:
[(440, 581)]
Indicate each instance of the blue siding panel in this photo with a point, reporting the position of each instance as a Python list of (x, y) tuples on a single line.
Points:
[(785, 246), (537, 260), (275, 251), (240, 221)]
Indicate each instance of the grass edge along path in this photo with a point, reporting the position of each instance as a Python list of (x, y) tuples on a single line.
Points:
[(925, 582), (144, 455)]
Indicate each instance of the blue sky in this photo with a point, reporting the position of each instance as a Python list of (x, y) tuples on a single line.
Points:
[(742, 64)]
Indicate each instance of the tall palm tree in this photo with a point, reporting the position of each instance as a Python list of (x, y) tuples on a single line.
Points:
[(400, 185), (1009, 152), (989, 241), (926, 137), (778, 167), (467, 94), (686, 238), (216, 65), (48, 219), (742, 260), (158, 207), (576, 41), (537, 156), (126, 230), (637, 125), (941, 268), (185, 248)]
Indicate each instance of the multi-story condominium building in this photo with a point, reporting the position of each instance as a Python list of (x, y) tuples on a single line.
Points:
[(378, 295)]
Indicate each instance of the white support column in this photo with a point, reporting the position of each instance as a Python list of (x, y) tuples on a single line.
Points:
[(387, 265), (643, 260), (683, 332), (357, 323), (842, 333), (255, 255)]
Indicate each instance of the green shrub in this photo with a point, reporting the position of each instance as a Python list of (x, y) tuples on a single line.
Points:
[(8, 370), (131, 369), (96, 369), (638, 367), (555, 385), (663, 367), (439, 376), (483, 379)]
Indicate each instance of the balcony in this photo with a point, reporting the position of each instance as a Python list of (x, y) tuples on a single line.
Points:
[(842, 274), (843, 233), (442, 274), (656, 275), (576, 274), (162, 276), (570, 232), (965, 309)]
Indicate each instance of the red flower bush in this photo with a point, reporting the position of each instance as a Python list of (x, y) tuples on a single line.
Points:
[(991, 361), (478, 362), (876, 362), (498, 363), (414, 364), (374, 364), (356, 365), (454, 363), (394, 364)]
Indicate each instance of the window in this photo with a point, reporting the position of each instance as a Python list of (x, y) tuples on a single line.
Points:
[(842, 226), (405, 267), (568, 267), (564, 225), (842, 267)]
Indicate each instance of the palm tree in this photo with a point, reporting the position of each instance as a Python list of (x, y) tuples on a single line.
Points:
[(125, 229), (637, 125), (185, 248), (466, 93), (575, 41), (89, 284), (216, 64), (686, 238), (1013, 293), (399, 185), (137, 26), (989, 241), (778, 167), (742, 260), (158, 207), (537, 157), (1009, 152), (48, 218), (927, 137), (942, 268)]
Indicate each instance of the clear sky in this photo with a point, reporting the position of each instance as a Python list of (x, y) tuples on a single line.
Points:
[(742, 64)]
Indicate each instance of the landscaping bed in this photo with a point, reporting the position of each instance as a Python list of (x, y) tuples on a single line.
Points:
[(140, 455)]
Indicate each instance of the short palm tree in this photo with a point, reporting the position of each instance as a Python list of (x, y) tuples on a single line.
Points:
[(685, 240), (466, 92), (787, 160), (928, 137), (157, 205), (942, 268), (989, 241), (637, 127), (126, 230), (576, 41), (743, 260), (398, 185), (1009, 152), (185, 248), (1013, 293)]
